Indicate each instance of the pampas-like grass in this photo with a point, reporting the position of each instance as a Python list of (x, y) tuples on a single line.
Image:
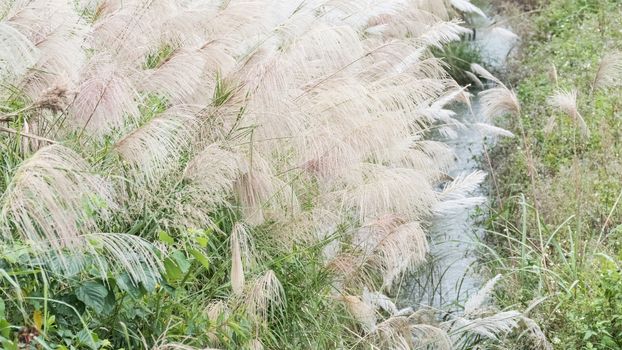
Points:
[(374, 191), (124, 32), (264, 296), (392, 246), (237, 270), (155, 149), (18, 52), (535, 334), (266, 102), (499, 101), (609, 72), (50, 198), (380, 301), (178, 77), (478, 83), (217, 311), (105, 98), (241, 254), (432, 158), (491, 327), (474, 303), (362, 312), (566, 101), (122, 252), (428, 335), (467, 6), (55, 201), (491, 130), (261, 194), (457, 194), (214, 171)]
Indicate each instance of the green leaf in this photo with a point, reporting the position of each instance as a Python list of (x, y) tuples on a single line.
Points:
[(181, 260), (2, 309), (165, 238), (93, 295), (200, 257), (176, 266), (588, 335), (202, 241), (149, 281), (173, 272), (9, 345), (88, 338), (5, 328), (125, 283)]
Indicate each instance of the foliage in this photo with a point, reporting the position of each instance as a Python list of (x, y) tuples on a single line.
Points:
[(459, 56), (555, 230), (231, 174)]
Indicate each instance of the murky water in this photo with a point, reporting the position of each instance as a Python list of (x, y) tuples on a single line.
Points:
[(450, 276)]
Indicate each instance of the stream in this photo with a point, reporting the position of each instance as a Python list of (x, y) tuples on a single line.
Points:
[(450, 275)]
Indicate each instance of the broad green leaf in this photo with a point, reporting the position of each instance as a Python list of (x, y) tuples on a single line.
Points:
[(125, 283), (93, 295), (5, 328), (9, 345), (177, 265), (173, 272), (165, 238), (181, 261), (88, 338), (149, 281), (200, 257)]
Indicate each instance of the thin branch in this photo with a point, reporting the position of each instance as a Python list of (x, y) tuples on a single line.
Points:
[(26, 134)]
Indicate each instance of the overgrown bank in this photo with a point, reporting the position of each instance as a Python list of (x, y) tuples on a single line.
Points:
[(180, 174), (557, 233)]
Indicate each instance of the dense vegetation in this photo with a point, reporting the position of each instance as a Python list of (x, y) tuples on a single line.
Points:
[(557, 234), (250, 174), (228, 174)]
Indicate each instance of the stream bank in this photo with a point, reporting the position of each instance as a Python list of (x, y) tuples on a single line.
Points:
[(557, 228)]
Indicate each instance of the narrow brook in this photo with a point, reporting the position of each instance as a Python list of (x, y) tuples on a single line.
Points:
[(450, 275)]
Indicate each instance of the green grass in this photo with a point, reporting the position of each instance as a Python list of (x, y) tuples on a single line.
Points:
[(81, 309), (556, 227), (458, 57)]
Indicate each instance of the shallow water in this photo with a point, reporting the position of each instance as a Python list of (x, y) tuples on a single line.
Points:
[(450, 277)]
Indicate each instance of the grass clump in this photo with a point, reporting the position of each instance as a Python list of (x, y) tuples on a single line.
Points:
[(459, 56)]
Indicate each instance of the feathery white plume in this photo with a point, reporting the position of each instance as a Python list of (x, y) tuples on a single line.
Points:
[(377, 191), (467, 6), (264, 296), (237, 268), (457, 194), (362, 312), (156, 148), (491, 327), (54, 198), (609, 72), (487, 129), (566, 101), (214, 171), (105, 98), (476, 301), (499, 101), (17, 54)]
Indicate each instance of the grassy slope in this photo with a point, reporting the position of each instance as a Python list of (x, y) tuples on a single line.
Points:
[(557, 230)]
